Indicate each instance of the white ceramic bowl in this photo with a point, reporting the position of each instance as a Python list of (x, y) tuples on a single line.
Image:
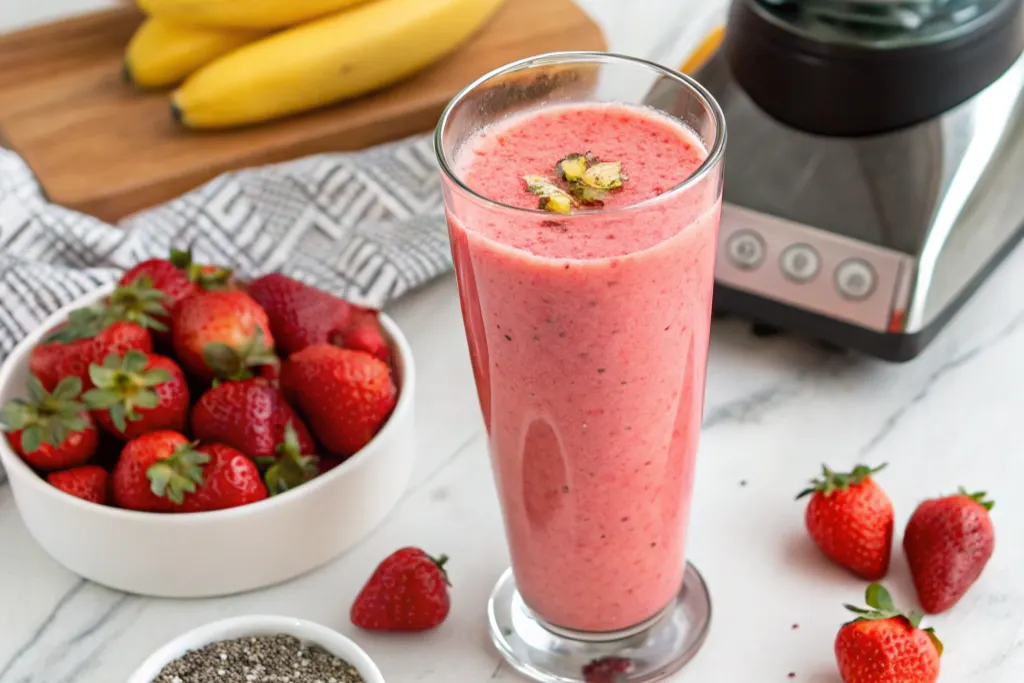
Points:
[(227, 551), (241, 627)]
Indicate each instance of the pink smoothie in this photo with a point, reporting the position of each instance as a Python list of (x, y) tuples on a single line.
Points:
[(589, 337)]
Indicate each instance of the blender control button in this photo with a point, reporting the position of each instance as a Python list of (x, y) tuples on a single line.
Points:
[(800, 262), (746, 249), (856, 279)]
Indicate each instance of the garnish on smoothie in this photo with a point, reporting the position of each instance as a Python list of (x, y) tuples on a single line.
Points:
[(552, 197), (588, 180)]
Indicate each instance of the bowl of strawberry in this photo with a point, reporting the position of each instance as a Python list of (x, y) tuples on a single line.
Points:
[(189, 434)]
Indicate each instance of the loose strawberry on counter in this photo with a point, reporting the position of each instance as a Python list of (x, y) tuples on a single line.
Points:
[(884, 645), (51, 431), (138, 393), (156, 471), (221, 333), (302, 316), (177, 277), (948, 542), (346, 395), (250, 415), (88, 483), (91, 334), (294, 466), (850, 518), (408, 591), (229, 479)]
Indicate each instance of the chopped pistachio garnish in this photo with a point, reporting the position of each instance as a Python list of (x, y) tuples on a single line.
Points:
[(556, 203), (606, 175), (588, 195), (572, 167), (552, 197), (587, 178)]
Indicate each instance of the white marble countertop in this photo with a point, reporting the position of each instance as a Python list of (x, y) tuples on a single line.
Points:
[(776, 408)]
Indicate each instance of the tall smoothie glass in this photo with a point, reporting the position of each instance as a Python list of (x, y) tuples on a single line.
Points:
[(583, 194)]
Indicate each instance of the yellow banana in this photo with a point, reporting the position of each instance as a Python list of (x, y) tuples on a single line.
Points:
[(331, 59), (707, 47), (163, 54), (244, 13)]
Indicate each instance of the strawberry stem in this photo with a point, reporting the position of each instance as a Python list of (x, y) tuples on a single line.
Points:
[(124, 384), (441, 561), (978, 497), (229, 363), (831, 481), (882, 607), (140, 303), (292, 468), (45, 417), (177, 474)]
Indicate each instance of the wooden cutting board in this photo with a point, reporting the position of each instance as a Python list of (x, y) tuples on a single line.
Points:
[(99, 146)]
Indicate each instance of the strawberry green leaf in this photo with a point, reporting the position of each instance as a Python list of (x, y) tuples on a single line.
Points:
[(133, 362), (292, 468), (978, 497), (178, 474), (156, 377), (878, 597), (102, 376), (138, 302), (36, 392), (441, 562), (118, 413), (45, 417), (182, 260), (67, 389), (230, 363), (831, 481), (31, 438), (146, 398), (82, 323), (935, 640), (101, 399)]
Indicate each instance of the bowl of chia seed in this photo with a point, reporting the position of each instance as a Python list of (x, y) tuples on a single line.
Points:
[(259, 649)]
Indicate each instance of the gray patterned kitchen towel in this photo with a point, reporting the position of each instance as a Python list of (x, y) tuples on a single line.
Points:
[(368, 226)]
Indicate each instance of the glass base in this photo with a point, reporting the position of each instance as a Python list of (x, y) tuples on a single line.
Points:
[(649, 651)]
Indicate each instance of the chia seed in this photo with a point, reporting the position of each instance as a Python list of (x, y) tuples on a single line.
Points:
[(259, 659)]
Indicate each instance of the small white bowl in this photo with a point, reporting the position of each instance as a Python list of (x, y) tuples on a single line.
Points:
[(228, 551), (241, 627)]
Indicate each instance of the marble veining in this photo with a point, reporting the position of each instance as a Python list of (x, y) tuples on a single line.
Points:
[(776, 408)]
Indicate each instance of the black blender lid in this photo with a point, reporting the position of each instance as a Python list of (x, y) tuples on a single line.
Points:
[(866, 67)]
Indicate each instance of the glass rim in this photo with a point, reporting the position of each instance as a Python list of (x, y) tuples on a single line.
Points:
[(713, 159)]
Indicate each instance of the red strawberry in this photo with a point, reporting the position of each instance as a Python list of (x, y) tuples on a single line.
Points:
[(294, 466), (91, 334), (250, 415), (884, 645), (948, 542), (229, 479), (177, 277), (138, 393), (302, 316), (364, 333), (346, 395), (51, 431), (407, 592), (851, 520), (156, 471), (222, 333), (88, 483)]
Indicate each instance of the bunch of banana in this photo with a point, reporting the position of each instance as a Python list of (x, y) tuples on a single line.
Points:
[(240, 62)]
